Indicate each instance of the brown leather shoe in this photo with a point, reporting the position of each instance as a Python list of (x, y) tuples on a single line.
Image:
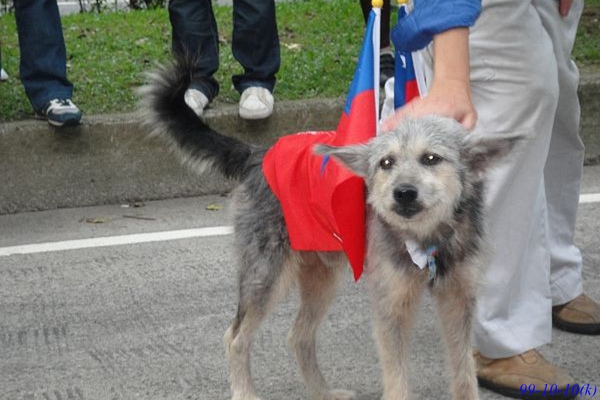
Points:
[(580, 315), (524, 376)]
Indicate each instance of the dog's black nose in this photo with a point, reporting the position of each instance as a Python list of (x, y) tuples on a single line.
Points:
[(406, 194)]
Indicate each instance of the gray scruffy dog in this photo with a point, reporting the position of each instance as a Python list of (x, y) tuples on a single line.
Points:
[(425, 184)]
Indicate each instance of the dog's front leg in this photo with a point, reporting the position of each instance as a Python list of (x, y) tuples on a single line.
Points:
[(395, 294), (455, 297)]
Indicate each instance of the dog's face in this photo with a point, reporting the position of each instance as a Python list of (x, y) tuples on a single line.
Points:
[(417, 174)]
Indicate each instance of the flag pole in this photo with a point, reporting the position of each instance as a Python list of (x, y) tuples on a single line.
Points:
[(376, 7)]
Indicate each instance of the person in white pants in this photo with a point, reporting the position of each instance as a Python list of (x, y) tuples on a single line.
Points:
[(522, 79)]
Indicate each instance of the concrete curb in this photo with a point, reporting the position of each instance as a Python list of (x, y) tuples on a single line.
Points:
[(110, 160)]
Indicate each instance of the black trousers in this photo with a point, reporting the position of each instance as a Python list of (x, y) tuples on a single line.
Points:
[(255, 42)]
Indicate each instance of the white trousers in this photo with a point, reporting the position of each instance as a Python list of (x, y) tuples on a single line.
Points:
[(523, 80)]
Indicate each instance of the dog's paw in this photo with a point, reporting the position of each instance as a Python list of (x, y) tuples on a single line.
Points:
[(339, 394)]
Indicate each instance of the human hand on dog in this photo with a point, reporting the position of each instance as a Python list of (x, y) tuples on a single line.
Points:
[(450, 91), (447, 98)]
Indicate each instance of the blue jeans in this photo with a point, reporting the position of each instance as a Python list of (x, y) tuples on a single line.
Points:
[(43, 61), (255, 42)]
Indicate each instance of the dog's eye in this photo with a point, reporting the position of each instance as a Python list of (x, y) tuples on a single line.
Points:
[(387, 162), (430, 159)]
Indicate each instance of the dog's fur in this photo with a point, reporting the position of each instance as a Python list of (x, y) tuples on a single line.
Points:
[(425, 184)]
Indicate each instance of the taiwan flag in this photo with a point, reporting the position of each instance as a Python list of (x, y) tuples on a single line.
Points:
[(405, 79), (323, 203)]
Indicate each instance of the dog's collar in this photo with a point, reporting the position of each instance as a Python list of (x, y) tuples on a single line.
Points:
[(423, 258), (432, 252)]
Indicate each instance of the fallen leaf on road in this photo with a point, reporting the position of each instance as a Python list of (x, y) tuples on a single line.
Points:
[(96, 220)]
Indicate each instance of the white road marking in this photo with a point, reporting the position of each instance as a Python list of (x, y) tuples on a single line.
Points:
[(115, 240), (589, 198), (154, 237)]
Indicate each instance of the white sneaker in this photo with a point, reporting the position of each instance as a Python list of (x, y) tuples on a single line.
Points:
[(196, 100), (62, 112), (256, 103), (3, 75)]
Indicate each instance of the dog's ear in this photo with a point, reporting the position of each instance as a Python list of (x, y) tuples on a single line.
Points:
[(485, 151), (355, 158)]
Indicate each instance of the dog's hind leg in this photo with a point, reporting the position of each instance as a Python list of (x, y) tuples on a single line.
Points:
[(262, 282), (395, 293), (317, 284), (455, 302)]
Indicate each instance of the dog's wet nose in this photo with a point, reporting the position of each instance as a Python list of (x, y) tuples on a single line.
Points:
[(406, 194)]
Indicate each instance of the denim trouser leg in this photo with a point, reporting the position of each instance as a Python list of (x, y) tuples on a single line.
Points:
[(195, 35), (43, 54), (255, 43)]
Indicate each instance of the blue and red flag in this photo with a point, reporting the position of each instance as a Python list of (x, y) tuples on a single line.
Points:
[(323, 203), (416, 30), (405, 80)]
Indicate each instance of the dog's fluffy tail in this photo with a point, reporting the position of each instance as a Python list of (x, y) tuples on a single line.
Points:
[(167, 115)]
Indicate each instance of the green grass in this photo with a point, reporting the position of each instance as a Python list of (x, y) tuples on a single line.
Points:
[(108, 53), (587, 44)]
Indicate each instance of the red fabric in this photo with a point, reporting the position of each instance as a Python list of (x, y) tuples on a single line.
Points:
[(411, 90), (324, 204)]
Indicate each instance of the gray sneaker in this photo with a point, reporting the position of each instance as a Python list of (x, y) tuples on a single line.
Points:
[(61, 112)]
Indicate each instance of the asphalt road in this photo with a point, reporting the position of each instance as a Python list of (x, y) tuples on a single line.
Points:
[(110, 319)]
